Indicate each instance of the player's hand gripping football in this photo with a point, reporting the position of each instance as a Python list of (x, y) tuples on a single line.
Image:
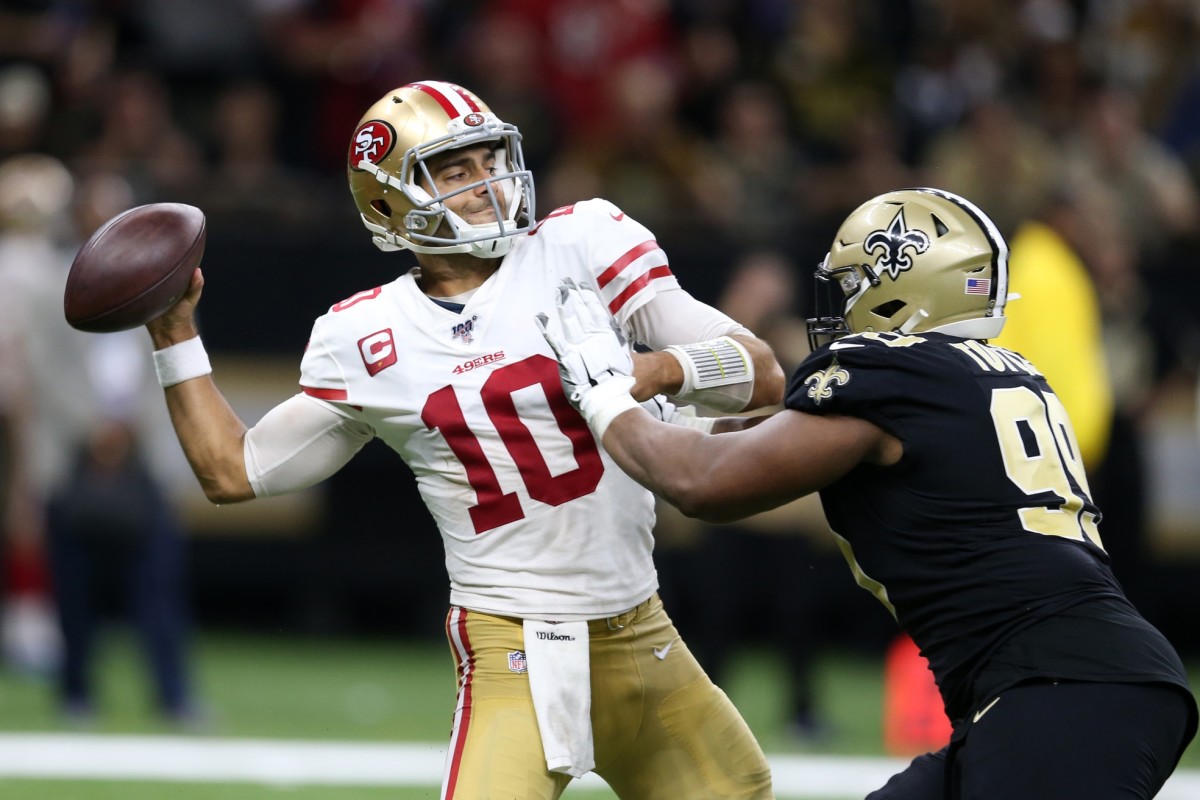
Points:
[(594, 361), (178, 323)]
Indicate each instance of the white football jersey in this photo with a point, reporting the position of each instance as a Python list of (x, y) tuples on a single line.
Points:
[(537, 521)]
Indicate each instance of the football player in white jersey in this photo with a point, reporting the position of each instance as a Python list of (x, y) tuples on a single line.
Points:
[(566, 661)]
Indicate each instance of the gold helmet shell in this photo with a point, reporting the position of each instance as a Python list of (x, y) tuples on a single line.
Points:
[(394, 191), (915, 261)]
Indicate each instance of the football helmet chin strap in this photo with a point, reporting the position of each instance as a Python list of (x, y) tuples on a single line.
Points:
[(497, 247), (594, 361)]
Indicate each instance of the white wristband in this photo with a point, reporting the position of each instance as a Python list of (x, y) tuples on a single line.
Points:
[(717, 374), (604, 402), (181, 362)]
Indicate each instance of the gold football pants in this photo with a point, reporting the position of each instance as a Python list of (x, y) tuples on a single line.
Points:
[(661, 729)]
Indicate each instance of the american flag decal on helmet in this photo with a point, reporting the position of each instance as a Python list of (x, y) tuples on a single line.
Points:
[(979, 286)]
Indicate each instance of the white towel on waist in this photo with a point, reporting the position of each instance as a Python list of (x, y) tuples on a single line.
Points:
[(560, 680)]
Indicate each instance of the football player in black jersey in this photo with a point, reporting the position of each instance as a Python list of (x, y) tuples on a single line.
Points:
[(950, 475)]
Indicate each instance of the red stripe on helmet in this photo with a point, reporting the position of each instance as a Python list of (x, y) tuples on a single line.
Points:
[(445, 102), (470, 101)]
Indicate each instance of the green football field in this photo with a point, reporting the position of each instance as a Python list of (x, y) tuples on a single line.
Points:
[(338, 690)]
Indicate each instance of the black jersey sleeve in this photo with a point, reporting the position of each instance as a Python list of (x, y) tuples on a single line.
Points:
[(871, 376)]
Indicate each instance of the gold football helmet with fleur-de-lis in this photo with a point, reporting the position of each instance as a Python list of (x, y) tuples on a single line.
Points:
[(392, 185), (914, 261)]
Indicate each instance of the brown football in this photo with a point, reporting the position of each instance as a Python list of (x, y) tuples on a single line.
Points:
[(135, 267)]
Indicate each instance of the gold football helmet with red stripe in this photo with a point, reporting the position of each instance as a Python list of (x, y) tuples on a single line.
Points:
[(913, 261), (392, 185)]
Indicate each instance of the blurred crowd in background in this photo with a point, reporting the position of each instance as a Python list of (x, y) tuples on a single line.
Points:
[(741, 133), (740, 126)]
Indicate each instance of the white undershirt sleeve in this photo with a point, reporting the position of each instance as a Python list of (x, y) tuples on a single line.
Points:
[(718, 373), (299, 443), (675, 317)]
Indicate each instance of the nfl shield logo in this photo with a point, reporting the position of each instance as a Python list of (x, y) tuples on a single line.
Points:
[(516, 661)]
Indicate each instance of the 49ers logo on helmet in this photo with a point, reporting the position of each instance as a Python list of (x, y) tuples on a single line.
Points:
[(373, 141), (474, 120)]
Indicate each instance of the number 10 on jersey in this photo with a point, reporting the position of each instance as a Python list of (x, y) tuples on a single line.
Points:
[(494, 506)]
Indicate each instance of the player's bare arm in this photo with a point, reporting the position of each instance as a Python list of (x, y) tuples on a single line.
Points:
[(209, 430), (743, 472), (768, 462)]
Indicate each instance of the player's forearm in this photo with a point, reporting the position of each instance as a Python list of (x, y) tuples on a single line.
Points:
[(672, 461), (769, 379), (656, 373), (734, 424), (662, 373), (211, 435), (209, 430)]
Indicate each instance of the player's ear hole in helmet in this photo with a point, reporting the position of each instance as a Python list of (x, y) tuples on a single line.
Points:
[(388, 171), (913, 261)]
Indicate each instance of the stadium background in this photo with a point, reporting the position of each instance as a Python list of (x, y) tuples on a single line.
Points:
[(731, 129)]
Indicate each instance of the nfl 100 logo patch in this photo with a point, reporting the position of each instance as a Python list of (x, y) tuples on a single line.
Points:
[(464, 330), (517, 662)]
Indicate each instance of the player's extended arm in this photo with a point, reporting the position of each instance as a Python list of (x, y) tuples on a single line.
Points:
[(209, 430), (298, 443), (735, 475), (717, 478)]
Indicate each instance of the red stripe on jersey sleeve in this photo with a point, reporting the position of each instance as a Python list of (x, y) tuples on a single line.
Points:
[(637, 286), (325, 394), (618, 266)]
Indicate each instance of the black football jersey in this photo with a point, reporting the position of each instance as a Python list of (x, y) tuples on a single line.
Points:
[(983, 537)]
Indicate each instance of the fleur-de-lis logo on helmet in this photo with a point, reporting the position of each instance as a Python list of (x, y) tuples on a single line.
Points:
[(820, 384), (893, 244)]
